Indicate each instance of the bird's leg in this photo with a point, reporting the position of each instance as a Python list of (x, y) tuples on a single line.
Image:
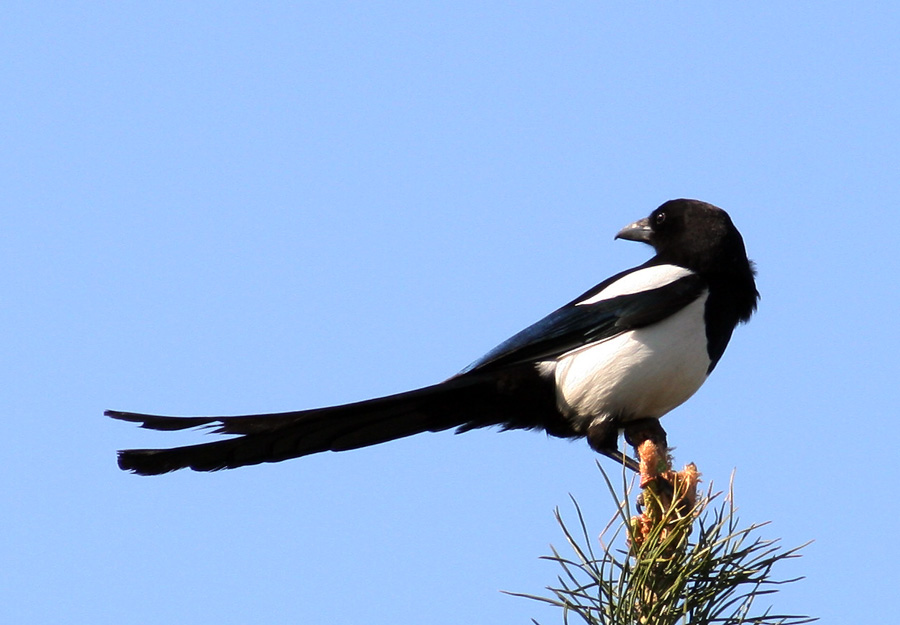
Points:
[(666, 497), (650, 444), (603, 438)]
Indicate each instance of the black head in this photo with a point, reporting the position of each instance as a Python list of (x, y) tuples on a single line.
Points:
[(691, 234), (702, 238)]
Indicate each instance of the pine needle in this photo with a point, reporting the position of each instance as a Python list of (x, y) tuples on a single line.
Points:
[(695, 566)]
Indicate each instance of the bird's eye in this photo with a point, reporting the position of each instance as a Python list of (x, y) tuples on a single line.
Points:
[(660, 218)]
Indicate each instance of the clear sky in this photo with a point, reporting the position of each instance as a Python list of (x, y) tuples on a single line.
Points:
[(224, 208)]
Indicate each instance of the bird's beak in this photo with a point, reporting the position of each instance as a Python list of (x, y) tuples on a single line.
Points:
[(638, 231)]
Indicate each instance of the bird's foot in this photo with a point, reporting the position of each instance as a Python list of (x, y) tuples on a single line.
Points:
[(603, 438), (650, 444)]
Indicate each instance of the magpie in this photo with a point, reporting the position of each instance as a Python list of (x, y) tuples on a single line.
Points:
[(627, 351)]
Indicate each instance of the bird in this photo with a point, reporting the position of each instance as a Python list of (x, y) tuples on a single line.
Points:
[(625, 352)]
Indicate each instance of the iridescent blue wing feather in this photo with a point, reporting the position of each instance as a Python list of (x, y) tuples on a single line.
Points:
[(576, 324)]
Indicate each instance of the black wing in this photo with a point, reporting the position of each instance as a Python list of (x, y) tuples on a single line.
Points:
[(575, 325)]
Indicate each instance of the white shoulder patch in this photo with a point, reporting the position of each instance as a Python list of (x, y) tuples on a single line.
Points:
[(641, 280)]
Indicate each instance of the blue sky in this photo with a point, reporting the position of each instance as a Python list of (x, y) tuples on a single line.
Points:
[(234, 208)]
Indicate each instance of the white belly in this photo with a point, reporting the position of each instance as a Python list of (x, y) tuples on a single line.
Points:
[(638, 374)]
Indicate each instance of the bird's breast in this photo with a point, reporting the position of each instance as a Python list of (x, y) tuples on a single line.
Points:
[(641, 373)]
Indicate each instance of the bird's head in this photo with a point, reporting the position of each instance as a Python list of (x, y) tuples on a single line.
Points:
[(691, 234), (700, 237)]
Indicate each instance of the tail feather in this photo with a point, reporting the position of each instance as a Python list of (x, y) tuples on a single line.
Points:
[(465, 402), (158, 422)]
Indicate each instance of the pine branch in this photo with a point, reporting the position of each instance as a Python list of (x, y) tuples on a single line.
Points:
[(651, 572)]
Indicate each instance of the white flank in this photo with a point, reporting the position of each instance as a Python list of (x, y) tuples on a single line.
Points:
[(641, 280), (637, 374)]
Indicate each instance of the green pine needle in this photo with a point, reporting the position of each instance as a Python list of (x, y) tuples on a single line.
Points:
[(703, 569)]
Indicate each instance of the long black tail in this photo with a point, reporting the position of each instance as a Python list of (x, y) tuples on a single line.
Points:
[(465, 402)]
